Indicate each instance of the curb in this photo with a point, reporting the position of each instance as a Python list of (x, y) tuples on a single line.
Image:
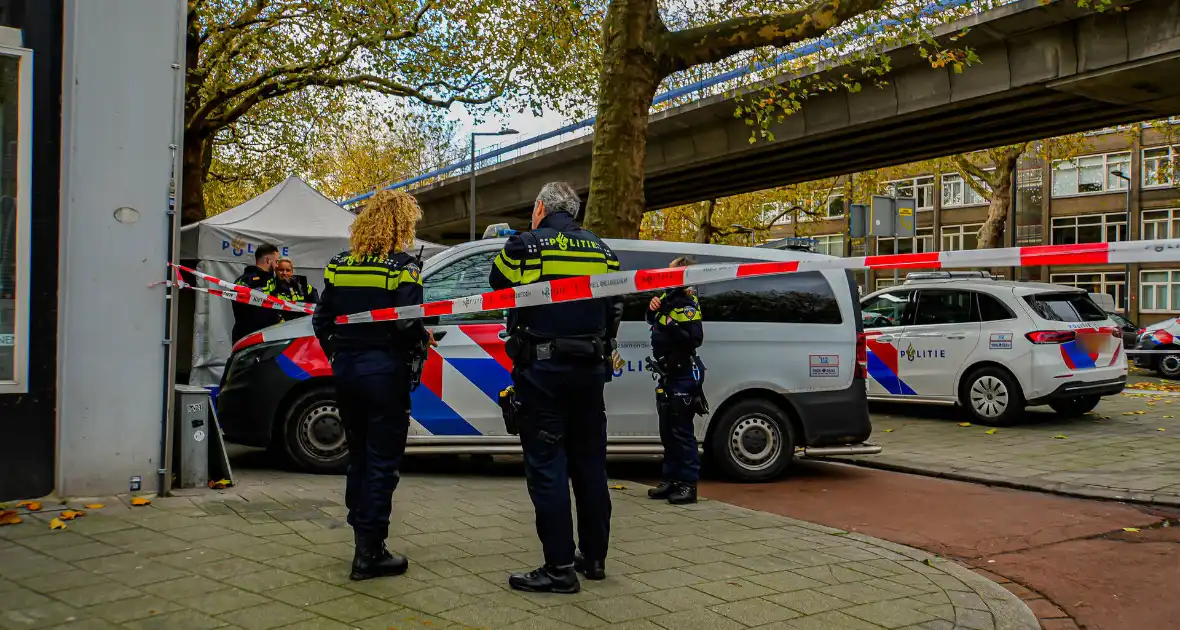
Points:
[(1063, 489)]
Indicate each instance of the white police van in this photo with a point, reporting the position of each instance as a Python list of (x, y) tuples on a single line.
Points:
[(991, 346), (784, 356)]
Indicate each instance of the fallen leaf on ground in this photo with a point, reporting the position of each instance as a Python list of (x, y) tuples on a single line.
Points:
[(1139, 413), (1128, 413), (138, 501), (1169, 416), (618, 487), (220, 484), (1060, 437), (9, 517), (1131, 529), (69, 515), (889, 430), (990, 432), (964, 424), (94, 506), (1161, 429), (57, 523), (32, 506)]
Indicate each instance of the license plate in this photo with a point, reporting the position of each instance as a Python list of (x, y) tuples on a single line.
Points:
[(1092, 342)]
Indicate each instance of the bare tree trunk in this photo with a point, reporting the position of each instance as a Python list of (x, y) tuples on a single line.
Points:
[(705, 227), (627, 84), (194, 165), (991, 235)]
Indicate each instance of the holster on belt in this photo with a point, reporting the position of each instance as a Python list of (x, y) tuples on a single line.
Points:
[(510, 408), (524, 348)]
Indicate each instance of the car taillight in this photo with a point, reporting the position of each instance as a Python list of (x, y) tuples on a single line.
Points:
[(1050, 336), (252, 339), (862, 356)]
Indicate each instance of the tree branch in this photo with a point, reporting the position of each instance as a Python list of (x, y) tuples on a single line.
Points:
[(715, 42)]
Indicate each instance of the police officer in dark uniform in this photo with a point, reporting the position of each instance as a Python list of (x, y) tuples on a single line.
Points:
[(561, 355), (676, 333), (261, 276), (371, 366), (293, 288)]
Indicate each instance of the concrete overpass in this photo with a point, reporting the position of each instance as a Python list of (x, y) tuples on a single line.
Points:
[(1045, 71)]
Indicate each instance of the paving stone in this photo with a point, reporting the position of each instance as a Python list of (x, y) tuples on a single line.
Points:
[(265, 580), (433, 601), (536, 623), (668, 578), (179, 620), (485, 616), (615, 585), (860, 593), (682, 598), (833, 574), (467, 584), (88, 624), (317, 623), (696, 620), (719, 571), (139, 607), (265, 616), (191, 557), (892, 613), (621, 608), (755, 612), (223, 601), (831, 620), (809, 601), (147, 574), (786, 581), (354, 607), (402, 620), (974, 619), (308, 593), (570, 615), (967, 601), (733, 590), (179, 589), (659, 561), (60, 581), (96, 594), (387, 589)]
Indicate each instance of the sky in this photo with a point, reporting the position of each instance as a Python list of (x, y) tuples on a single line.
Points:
[(524, 122)]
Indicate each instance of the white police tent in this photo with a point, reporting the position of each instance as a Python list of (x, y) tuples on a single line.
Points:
[(306, 227)]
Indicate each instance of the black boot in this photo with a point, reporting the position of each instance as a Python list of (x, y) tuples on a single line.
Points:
[(591, 569), (661, 491), (373, 560), (546, 579), (684, 493)]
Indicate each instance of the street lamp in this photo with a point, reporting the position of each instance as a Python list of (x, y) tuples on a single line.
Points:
[(471, 209), (741, 229), (1127, 273)]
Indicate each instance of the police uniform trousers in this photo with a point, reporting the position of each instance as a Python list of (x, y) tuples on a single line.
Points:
[(675, 404), (563, 435), (373, 395)]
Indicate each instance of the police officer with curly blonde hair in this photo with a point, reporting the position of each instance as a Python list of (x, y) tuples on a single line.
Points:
[(371, 366)]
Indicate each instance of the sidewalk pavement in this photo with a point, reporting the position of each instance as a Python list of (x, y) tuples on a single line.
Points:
[(1128, 449), (274, 553)]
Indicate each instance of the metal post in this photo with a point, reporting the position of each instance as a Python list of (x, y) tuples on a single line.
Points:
[(471, 207), (896, 217), (1127, 272)]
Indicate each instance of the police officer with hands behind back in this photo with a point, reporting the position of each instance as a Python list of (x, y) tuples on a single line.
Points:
[(260, 276), (561, 355), (676, 333), (371, 366)]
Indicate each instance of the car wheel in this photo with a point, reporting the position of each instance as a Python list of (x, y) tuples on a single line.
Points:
[(1072, 407), (992, 397), (313, 433), (753, 441), (1169, 365)]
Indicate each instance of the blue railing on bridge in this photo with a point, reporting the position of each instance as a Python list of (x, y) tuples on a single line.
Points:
[(664, 97)]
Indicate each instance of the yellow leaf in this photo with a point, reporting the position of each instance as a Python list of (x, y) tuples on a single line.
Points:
[(618, 487), (1161, 429), (1138, 413), (964, 424), (1169, 416), (889, 430), (57, 523), (32, 506), (94, 506), (138, 501), (990, 432), (1060, 437), (1131, 529), (69, 515), (1128, 413), (9, 517)]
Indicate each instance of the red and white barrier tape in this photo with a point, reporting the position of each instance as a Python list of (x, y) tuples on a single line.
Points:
[(238, 293), (627, 282)]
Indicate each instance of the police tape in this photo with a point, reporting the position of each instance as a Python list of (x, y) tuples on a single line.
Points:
[(621, 283), (235, 292)]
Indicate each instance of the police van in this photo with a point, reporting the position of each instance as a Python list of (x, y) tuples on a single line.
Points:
[(991, 346), (785, 359)]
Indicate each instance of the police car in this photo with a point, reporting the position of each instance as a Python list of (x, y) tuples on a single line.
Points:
[(992, 347), (785, 358), (1161, 336)]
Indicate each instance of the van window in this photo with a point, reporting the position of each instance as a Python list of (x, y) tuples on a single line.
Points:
[(466, 276), (1065, 307), (795, 298), (886, 310)]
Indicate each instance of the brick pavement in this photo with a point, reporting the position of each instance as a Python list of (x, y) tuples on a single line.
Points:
[(1116, 452), (274, 552)]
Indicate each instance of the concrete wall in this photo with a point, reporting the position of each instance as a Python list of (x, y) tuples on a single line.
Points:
[(119, 115)]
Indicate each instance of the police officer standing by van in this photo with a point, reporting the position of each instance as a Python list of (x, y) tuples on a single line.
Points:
[(371, 366), (676, 333), (561, 355)]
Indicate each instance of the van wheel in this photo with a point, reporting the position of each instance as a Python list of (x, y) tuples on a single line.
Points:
[(992, 397), (1072, 407), (753, 441), (312, 434), (1168, 365)]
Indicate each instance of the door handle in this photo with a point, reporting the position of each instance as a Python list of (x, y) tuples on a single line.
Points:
[(929, 335), (956, 336), (503, 335)]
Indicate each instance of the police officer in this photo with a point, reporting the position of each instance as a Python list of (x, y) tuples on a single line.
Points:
[(560, 356), (261, 276), (292, 288), (371, 366), (676, 333)]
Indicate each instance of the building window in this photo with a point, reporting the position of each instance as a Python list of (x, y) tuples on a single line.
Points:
[(835, 207), (960, 237), (919, 188), (956, 192), (830, 244), (886, 282), (1093, 228), (16, 118), (1112, 283), (1159, 291), (1159, 166), (1161, 224), (774, 213), (922, 242), (1090, 174)]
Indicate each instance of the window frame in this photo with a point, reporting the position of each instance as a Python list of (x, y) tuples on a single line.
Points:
[(828, 240), (1173, 284), (924, 235), (19, 383), (1119, 286), (918, 182), (967, 190), (1120, 187), (960, 235), (1172, 218), (1105, 221), (1173, 155)]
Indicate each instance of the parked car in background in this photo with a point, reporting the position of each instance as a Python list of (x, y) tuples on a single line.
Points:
[(1159, 336)]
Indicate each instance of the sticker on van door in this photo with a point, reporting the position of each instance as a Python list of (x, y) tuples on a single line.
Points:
[(1000, 341), (824, 365)]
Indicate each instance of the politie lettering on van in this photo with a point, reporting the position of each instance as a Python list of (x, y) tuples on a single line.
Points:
[(786, 357)]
